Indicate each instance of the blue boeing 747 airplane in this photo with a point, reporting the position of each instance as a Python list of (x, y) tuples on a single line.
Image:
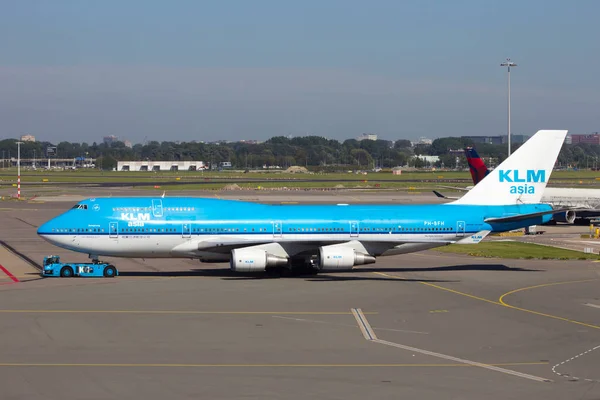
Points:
[(258, 237)]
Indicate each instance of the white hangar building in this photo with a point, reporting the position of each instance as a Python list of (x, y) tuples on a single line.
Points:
[(161, 165)]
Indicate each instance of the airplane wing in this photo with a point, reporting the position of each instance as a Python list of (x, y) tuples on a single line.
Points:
[(226, 244), (521, 217)]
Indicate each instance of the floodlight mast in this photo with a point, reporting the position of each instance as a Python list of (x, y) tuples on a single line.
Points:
[(508, 63)]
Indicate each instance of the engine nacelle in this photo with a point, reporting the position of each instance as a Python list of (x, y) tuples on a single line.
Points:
[(340, 258), (254, 260), (565, 216)]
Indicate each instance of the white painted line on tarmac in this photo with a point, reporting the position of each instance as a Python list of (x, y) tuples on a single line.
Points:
[(363, 324), (462, 360), (592, 305), (348, 325), (368, 333), (554, 369)]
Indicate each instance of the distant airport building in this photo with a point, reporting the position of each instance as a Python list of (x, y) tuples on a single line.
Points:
[(429, 159), (593, 138), (501, 139), (160, 165), (568, 140), (252, 141), (127, 143), (422, 140), (367, 136), (27, 138), (52, 163)]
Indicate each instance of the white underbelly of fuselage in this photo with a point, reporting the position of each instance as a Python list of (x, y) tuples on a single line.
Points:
[(175, 246)]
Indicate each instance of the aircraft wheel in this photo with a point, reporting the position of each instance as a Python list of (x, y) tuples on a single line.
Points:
[(66, 272), (110, 271)]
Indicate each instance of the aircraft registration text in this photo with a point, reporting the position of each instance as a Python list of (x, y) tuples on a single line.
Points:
[(433, 223)]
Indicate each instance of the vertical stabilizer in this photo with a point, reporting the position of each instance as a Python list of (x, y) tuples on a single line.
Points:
[(476, 165), (523, 176)]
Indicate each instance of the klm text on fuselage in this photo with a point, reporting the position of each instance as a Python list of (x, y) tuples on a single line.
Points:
[(522, 179)]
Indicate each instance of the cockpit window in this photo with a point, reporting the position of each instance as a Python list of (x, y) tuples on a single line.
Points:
[(80, 206)]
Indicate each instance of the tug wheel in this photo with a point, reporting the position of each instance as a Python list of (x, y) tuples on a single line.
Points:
[(110, 271), (66, 272)]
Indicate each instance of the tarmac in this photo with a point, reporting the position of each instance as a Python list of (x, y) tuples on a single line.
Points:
[(425, 325)]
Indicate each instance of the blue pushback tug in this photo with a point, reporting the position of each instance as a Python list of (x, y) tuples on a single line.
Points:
[(53, 267)]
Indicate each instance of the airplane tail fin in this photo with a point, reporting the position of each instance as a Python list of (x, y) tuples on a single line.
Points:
[(476, 165), (523, 176)]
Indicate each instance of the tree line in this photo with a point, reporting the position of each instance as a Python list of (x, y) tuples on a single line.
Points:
[(308, 151)]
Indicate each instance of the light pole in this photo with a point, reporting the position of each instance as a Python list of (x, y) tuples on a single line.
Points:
[(19, 169), (508, 64)]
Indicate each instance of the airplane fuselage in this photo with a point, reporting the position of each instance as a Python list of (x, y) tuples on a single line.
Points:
[(206, 228), (580, 197)]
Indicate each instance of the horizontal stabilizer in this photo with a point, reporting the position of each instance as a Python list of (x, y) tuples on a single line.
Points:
[(474, 239), (521, 217), (443, 196), (462, 189)]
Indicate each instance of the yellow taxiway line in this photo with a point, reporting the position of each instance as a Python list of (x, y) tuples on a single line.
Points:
[(133, 365), (179, 312), (502, 303)]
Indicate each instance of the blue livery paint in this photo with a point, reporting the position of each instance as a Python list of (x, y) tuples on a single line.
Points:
[(135, 226), (530, 176), (53, 267), (516, 176)]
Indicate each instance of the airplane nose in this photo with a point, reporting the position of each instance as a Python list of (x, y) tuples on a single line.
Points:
[(44, 230)]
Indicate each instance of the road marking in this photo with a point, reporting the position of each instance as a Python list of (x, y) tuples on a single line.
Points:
[(462, 360), (254, 365), (19, 209), (363, 324), (25, 222), (442, 288), (348, 325), (592, 305), (571, 359), (177, 312), (501, 301), (438, 311), (7, 272), (460, 293), (368, 333)]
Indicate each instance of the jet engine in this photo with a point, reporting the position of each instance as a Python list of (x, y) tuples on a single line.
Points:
[(340, 258), (566, 216), (254, 260)]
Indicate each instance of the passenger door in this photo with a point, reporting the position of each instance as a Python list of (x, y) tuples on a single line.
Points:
[(277, 229), (186, 230), (354, 228), (113, 230), (460, 228), (157, 209)]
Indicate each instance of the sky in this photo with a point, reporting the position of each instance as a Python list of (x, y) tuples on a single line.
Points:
[(238, 69)]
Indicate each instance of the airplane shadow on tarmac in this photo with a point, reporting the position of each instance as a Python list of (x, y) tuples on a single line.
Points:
[(227, 274), (460, 267)]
